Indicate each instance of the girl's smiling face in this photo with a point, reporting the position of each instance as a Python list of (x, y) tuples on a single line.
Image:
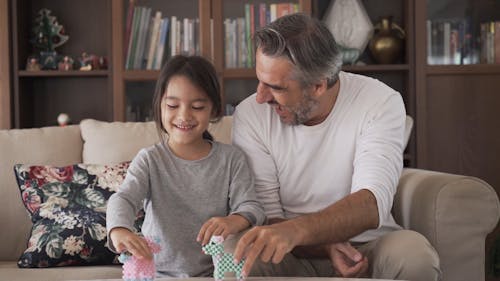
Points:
[(186, 111)]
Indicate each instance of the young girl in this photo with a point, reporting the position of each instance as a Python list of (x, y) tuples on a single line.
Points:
[(191, 187)]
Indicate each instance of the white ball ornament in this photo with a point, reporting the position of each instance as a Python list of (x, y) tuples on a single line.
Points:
[(63, 119)]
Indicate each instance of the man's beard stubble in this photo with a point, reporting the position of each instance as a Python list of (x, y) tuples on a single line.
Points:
[(302, 113)]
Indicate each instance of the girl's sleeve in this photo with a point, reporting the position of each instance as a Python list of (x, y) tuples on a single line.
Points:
[(242, 197), (124, 205)]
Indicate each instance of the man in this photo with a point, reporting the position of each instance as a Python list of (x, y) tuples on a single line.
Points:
[(326, 148)]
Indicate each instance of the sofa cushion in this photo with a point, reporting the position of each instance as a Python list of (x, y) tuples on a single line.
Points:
[(115, 142), (51, 145), (67, 206)]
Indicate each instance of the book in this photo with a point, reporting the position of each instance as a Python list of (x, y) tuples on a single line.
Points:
[(446, 42), (153, 39), (262, 15), (497, 42), (490, 39), (173, 36), (162, 42), (227, 43), (133, 37), (128, 25), (429, 42), (273, 12), (147, 43), (248, 34), (141, 41)]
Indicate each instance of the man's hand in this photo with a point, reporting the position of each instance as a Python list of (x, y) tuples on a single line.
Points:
[(125, 240), (347, 260), (224, 226), (270, 243)]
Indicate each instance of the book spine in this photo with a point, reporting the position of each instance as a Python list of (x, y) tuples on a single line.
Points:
[(263, 15), (133, 38), (446, 42), (173, 36), (497, 42), (128, 26), (491, 42), (154, 38), (185, 35), (273, 15), (429, 42), (162, 42), (248, 35), (147, 43), (484, 44), (145, 19)]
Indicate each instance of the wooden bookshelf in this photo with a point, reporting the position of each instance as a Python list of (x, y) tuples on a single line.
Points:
[(5, 96), (108, 92), (125, 81)]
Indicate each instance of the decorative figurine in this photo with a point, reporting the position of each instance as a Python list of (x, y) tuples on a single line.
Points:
[(89, 62), (66, 64), (48, 60), (103, 63), (47, 34), (63, 119), (387, 43), (32, 64), (223, 262), (135, 269)]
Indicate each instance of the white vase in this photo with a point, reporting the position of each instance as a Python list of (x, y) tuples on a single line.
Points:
[(351, 27)]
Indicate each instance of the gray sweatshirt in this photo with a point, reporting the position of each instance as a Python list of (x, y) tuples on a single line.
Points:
[(178, 196)]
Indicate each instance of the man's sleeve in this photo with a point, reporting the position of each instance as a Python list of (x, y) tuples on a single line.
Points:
[(378, 160), (247, 137)]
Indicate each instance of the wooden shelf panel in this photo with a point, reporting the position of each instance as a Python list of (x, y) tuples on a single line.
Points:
[(140, 75), (57, 73), (249, 73), (239, 73), (463, 69), (376, 68)]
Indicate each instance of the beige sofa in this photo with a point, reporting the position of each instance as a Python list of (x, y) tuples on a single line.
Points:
[(454, 212)]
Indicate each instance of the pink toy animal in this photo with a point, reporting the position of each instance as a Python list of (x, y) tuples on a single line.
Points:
[(135, 269)]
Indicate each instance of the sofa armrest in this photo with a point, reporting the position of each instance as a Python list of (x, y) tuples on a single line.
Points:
[(454, 212)]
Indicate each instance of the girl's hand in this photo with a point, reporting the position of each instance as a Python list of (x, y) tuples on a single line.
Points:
[(125, 240), (221, 226)]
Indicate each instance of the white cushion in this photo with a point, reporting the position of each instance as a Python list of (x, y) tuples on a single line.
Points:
[(115, 142)]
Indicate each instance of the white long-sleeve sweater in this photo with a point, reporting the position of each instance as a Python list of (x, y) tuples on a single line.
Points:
[(303, 169)]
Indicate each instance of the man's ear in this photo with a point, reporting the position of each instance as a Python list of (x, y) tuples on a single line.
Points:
[(320, 88)]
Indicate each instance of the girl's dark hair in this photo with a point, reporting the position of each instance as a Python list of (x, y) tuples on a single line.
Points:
[(201, 73)]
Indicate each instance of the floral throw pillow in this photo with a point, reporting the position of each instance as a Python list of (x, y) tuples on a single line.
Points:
[(67, 206)]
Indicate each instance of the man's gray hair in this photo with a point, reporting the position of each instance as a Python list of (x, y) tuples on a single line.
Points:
[(307, 43)]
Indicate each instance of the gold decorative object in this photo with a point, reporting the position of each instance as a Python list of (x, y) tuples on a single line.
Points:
[(387, 42)]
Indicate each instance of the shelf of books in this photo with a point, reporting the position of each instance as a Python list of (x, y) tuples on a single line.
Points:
[(234, 23), (241, 22), (152, 31), (469, 35), (151, 35)]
